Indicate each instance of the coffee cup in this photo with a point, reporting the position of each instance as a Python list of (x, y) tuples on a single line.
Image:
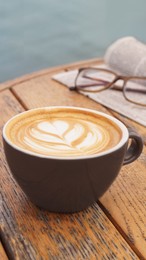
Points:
[(65, 158)]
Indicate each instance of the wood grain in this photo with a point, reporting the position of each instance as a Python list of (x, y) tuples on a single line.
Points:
[(3, 255), (43, 91), (19, 80), (125, 201), (31, 233)]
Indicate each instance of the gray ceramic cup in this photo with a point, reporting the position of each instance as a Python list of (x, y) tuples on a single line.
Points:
[(70, 185)]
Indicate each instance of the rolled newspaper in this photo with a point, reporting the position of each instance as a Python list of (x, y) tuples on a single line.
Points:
[(127, 56)]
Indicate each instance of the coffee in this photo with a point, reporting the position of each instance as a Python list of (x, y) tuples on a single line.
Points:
[(65, 158), (63, 132)]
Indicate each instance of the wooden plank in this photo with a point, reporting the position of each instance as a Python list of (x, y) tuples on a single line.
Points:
[(3, 255), (125, 201), (45, 92), (27, 77), (31, 233)]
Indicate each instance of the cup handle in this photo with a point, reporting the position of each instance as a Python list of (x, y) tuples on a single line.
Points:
[(135, 148)]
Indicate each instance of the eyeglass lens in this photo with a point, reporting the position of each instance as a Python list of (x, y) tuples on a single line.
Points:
[(135, 90), (92, 79)]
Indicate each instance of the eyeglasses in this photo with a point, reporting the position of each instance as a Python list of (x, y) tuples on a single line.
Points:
[(98, 79)]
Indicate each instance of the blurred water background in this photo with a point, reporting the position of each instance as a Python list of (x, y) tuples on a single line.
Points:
[(36, 34)]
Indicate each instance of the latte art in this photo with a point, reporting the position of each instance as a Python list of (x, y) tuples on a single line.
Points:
[(63, 134)]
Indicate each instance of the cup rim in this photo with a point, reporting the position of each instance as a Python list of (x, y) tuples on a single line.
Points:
[(124, 138)]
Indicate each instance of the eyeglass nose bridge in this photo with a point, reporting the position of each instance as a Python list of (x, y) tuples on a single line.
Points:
[(118, 77), (114, 81)]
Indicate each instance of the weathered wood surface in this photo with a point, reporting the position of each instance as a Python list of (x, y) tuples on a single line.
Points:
[(113, 228), (10, 83), (3, 255)]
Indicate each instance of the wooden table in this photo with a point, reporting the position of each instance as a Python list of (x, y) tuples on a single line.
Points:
[(113, 228)]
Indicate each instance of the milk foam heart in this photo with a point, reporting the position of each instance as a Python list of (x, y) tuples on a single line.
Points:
[(63, 132)]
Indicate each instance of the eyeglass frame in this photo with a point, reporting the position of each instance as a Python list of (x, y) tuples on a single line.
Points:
[(117, 77)]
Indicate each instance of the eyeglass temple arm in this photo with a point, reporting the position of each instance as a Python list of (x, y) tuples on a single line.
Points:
[(89, 85), (115, 87)]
